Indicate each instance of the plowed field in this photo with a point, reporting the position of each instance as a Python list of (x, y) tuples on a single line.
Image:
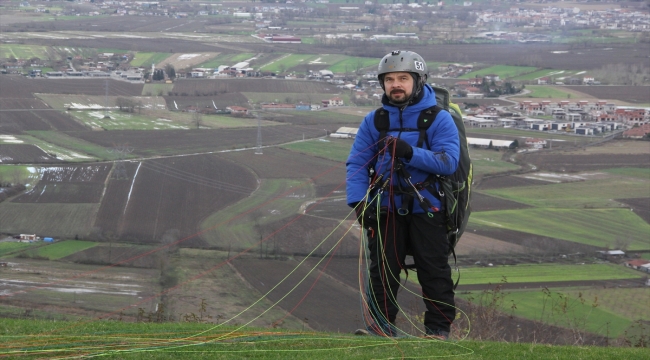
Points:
[(24, 154), (170, 194), (68, 184), (572, 163), (631, 94), (217, 86)]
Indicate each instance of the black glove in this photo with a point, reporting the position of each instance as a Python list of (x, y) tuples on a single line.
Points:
[(366, 215), (400, 148)]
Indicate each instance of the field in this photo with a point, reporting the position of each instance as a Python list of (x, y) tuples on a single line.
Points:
[(489, 161), (630, 94), (226, 59), (601, 228), (67, 147), (140, 207), (545, 273), (540, 91), (185, 61), (59, 220), (145, 59), (504, 72), (329, 148), (62, 249), (24, 51), (125, 121)]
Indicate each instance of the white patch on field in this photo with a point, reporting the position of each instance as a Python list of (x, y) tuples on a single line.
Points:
[(96, 114), (78, 106), (188, 56), (130, 36), (559, 52), (580, 73), (161, 119)]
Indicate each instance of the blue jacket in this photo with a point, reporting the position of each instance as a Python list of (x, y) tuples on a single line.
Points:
[(441, 159)]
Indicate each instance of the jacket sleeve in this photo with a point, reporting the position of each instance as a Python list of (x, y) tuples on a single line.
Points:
[(442, 158), (362, 154)]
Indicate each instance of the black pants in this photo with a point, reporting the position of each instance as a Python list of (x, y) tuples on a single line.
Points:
[(426, 239)]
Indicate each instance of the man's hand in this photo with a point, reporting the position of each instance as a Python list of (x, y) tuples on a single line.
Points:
[(399, 148), (366, 215)]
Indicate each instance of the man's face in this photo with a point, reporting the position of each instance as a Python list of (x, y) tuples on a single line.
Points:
[(398, 86)]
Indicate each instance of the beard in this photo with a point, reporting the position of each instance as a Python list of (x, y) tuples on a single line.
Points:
[(398, 97)]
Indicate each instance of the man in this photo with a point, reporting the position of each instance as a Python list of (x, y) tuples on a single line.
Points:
[(399, 204)]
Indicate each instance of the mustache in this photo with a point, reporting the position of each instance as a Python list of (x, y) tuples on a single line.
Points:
[(397, 92)]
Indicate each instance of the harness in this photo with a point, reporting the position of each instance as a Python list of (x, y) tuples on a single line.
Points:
[(412, 191)]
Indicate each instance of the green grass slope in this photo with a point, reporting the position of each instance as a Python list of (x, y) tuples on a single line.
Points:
[(118, 340)]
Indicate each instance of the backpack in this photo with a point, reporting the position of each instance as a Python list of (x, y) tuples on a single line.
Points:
[(455, 188)]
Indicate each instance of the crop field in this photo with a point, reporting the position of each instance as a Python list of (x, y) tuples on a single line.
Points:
[(541, 91), (25, 51), (289, 61), (20, 86), (179, 101), (226, 59), (590, 192), (567, 163), (615, 147), (59, 220), (329, 148), (193, 141), (327, 175), (145, 59), (533, 273), (489, 162), (12, 247), (62, 151), (352, 64), (600, 227), (503, 71), (184, 60), (67, 184), (552, 73), (69, 288), (62, 249), (158, 89), (125, 121), (218, 86), (272, 200), (170, 195), (630, 94), (67, 147), (265, 97)]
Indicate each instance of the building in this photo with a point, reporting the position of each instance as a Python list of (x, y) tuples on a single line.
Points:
[(332, 102), (237, 110), (486, 143), (345, 133), (636, 264), (638, 132)]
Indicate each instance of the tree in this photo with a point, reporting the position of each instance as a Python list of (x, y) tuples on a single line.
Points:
[(171, 72)]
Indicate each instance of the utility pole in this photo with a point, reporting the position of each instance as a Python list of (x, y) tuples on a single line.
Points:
[(258, 150), (119, 172), (106, 101)]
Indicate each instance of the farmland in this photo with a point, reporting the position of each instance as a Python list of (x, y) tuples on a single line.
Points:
[(198, 224)]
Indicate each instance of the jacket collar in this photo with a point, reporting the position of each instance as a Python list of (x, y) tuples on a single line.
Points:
[(427, 100)]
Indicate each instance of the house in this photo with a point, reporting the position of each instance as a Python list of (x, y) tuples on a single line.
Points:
[(237, 110), (535, 143), (345, 133), (28, 237), (487, 143), (636, 263), (611, 253), (638, 132), (332, 102)]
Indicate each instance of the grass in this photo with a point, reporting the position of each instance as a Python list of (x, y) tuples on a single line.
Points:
[(66, 147), (24, 51), (145, 59), (604, 228), (569, 308), (503, 71), (333, 149), (62, 249), (489, 162), (477, 132), (351, 64), (288, 62), (595, 193), (47, 219), (641, 173), (314, 99), (226, 59), (156, 89), (541, 91), (236, 224), (11, 247), (539, 273), (114, 340), (20, 174)]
